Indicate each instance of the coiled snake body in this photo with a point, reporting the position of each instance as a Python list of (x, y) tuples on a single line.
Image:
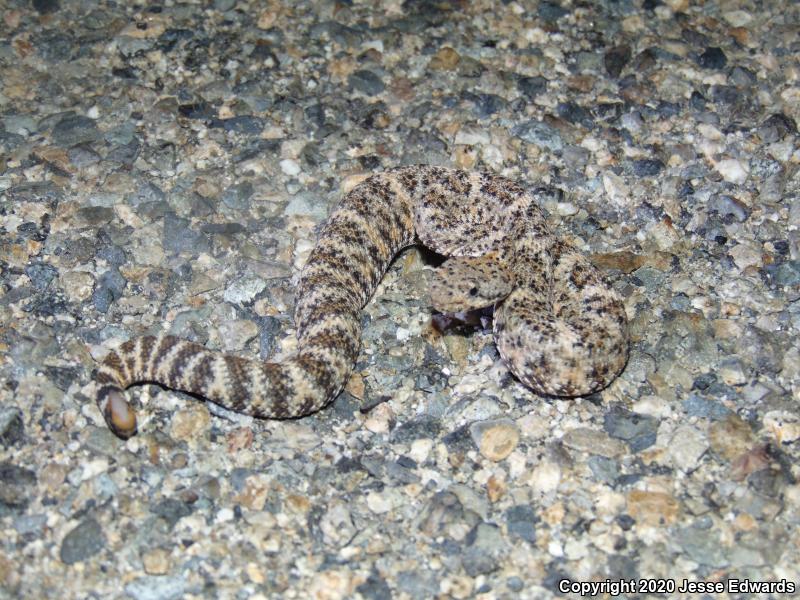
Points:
[(561, 330)]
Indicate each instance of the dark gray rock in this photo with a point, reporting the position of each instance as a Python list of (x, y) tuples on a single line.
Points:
[(551, 11), (172, 510), (238, 195), (418, 583), (616, 58), (776, 127), (532, 86), (569, 111), (712, 58), (647, 167), (366, 82), (110, 287), (75, 129), (521, 521), (604, 469), (639, 431), (485, 105), (245, 124), (539, 133), (12, 428), (41, 275), (485, 547), (702, 546), (697, 406), (84, 541), (179, 237), (375, 588), (46, 7), (784, 273)]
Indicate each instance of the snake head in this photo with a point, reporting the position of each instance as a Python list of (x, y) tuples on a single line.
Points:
[(467, 283)]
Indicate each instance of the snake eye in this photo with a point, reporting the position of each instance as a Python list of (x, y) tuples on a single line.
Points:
[(473, 291)]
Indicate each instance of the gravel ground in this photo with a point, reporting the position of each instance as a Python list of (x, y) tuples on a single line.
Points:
[(165, 166)]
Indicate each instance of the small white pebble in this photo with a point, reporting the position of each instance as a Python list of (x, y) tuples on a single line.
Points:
[(290, 167), (732, 170)]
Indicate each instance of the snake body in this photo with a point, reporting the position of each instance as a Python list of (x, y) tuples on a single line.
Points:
[(559, 327)]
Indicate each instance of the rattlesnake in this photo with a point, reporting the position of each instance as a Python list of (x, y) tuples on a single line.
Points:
[(561, 330)]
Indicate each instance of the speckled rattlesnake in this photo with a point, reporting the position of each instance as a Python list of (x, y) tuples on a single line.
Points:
[(561, 330)]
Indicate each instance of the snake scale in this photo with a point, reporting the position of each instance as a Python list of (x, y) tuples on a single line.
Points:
[(558, 326)]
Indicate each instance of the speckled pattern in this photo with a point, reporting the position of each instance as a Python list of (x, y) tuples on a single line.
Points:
[(558, 326)]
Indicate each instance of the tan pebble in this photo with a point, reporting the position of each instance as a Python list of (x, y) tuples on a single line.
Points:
[(554, 514), (12, 18), (355, 386), (380, 419), (593, 441), (582, 83), (730, 437), (254, 573), (745, 522), (783, 425), (624, 261), (189, 423), (332, 585), (254, 495), (77, 285), (239, 439), (752, 460), (465, 157), (445, 59), (403, 88), (55, 156), (495, 488), (457, 586), (156, 561), (52, 475), (457, 347), (740, 34), (267, 19), (545, 477), (652, 508), (340, 68), (498, 440)]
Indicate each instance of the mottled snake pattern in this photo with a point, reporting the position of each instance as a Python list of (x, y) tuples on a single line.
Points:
[(557, 325)]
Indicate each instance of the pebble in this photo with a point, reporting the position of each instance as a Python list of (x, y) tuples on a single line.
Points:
[(495, 439), (540, 134), (290, 167), (109, 288), (532, 86), (615, 59), (686, 447), (446, 59), (712, 58), (783, 425), (730, 437), (732, 170), (647, 167), (189, 424), (84, 541), (12, 429), (653, 508), (155, 587), (74, 130), (584, 439), (366, 82), (639, 431)]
